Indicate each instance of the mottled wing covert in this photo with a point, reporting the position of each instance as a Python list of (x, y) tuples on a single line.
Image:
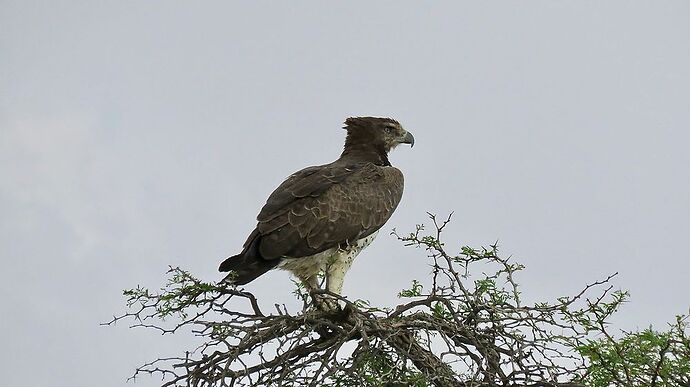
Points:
[(322, 207)]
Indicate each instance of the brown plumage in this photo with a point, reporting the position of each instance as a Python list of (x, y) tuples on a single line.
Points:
[(321, 217)]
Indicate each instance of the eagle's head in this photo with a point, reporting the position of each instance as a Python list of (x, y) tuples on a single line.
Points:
[(380, 133)]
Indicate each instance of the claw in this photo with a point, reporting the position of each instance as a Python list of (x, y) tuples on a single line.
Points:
[(326, 303)]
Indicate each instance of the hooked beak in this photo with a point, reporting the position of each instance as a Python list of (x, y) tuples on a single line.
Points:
[(408, 139)]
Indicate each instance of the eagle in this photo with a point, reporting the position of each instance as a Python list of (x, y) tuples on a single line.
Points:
[(321, 217)]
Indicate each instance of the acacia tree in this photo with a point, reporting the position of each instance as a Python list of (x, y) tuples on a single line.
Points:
[(465, 325)]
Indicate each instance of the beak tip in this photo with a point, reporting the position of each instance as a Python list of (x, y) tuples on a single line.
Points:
[(409, 139)]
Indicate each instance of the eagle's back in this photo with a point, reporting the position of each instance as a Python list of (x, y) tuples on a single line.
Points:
[(330, 206)]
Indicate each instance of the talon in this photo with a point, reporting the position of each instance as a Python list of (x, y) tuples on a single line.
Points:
[(326, 304)]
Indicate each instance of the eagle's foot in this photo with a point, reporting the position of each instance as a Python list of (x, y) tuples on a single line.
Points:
[(327, 304)]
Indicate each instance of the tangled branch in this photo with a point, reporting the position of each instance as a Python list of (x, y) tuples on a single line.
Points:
[(465, 326)]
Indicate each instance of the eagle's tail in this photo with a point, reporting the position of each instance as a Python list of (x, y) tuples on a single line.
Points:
[(247, 265)]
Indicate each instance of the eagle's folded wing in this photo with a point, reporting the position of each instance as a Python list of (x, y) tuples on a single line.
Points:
[(322, 207)]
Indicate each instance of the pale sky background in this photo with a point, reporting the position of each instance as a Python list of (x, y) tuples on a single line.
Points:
[(140, 134)]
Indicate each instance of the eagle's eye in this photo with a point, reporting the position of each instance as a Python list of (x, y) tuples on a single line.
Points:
[(388, 129)]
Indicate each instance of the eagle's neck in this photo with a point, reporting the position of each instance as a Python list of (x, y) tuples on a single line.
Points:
[(366, 152)]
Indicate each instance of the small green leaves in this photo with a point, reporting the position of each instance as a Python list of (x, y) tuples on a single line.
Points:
[(414, 291), (439, 310), (464, 324), (182, 293), (639, 359)]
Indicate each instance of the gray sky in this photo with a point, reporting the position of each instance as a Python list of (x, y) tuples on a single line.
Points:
[(136, 135)]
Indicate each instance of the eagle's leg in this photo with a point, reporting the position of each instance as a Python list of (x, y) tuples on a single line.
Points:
[(335, 272), (322, 301), (341, 261), (310, 281)]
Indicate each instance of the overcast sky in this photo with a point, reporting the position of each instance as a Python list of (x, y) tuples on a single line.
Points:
[(136, 135)]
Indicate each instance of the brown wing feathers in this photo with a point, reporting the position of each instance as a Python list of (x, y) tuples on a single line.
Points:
[(315, 211), (344, 211)]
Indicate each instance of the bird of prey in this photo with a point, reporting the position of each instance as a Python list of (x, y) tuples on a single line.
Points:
[(321, 217)]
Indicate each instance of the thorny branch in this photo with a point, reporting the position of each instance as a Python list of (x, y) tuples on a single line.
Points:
[(466, 327)]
